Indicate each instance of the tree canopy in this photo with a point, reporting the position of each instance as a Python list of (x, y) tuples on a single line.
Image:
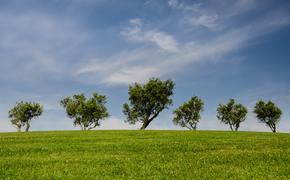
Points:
[(232, 114), (188, 114), (268, 113), (146, 101), (22, 114), (87, 113)]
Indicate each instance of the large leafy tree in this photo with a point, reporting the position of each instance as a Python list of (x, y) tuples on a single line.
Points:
[(146, 101), (87, 113), (22, 114), (268, 113), (232, 114), (188, 114)]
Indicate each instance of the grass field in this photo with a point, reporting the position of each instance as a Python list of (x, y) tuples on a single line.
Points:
[(144, 155)]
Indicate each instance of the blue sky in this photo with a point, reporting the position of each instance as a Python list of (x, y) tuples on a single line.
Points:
[(213, 49)]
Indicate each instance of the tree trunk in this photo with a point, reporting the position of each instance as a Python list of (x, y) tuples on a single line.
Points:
[(194, 127), (237, 127), (18, 129), (27, 127), (145, 124), (274, 129), (231, 127)]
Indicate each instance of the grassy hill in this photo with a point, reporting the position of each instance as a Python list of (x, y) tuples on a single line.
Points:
[(144, 154)]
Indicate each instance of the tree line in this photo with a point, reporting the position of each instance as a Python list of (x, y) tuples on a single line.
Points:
[(146, 101)]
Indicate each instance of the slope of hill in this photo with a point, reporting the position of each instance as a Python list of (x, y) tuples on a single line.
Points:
[(146, 154)]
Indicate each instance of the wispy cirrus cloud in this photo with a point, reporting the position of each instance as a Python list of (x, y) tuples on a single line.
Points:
[(209, 21), (212, 15), (197, 16), (177, 4), (137, 33), (120, 69), (144, 62)]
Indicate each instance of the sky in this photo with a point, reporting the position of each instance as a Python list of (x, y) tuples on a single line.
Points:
[(217, 50)]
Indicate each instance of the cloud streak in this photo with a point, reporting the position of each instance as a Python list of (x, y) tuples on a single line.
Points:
[(146, 61), (136, 33)]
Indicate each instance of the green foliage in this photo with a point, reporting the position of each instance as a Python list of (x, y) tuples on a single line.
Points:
[(148, 100), (268, 113), (22, 114), (149, 154), (86, 113), (232, 114), (188, 114)]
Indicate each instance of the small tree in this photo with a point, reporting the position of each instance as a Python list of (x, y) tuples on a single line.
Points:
[(188, 114), (148, 100), (232, 114), (22, 114), (268, 113), (86, 113)]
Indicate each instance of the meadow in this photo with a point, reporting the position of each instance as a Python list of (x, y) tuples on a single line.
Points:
[(135, 154)]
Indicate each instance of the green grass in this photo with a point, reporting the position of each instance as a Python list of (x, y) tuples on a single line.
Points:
[(144, 155)]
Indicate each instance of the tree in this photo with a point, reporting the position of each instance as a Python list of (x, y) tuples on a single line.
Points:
[(188, 114), (268, 113), (22, 114), (147, 101), (86, 113), (232, 114)]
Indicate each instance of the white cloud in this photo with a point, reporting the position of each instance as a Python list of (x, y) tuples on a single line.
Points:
[(137, 33), (173, 3), (163, 40), (209, 21), (142, 63), (195, 15), (136, 21), (178, 4), (121, 69)]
